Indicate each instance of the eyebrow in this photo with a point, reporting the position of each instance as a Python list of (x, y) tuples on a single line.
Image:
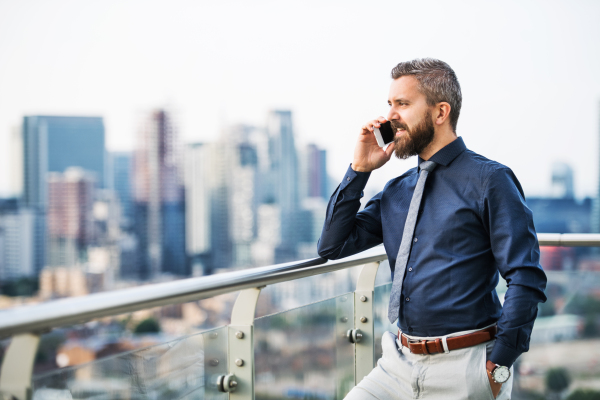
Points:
[(399, 100)]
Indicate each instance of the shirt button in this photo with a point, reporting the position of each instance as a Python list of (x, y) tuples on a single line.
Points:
[(348, 179), (416, 240), (410, 269), (408, 299)]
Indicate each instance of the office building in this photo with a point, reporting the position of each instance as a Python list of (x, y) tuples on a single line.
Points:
[(121, 164), (199, 178), (562, 181), (317, 179), (158, 198), (53, 144), (284, 180), (70, 216), (17, 241), (595, 220)]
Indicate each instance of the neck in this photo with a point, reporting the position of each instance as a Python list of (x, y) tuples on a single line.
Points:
[(441, 139)]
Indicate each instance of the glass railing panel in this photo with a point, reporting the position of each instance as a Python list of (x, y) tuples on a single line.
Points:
[(300, 292), (304, 353), (381, 324), (565, 341), (186, 368)]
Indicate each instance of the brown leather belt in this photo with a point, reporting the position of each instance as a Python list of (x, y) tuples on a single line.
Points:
[(457, 342)]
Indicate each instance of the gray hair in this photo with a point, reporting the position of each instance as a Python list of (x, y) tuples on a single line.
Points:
[(437, 81)]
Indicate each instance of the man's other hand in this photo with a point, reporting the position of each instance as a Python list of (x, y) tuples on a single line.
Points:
[(495, 386), (368, 156)]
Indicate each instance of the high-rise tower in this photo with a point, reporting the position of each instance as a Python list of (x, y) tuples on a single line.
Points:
[(158, 197), (284, 178), (596, 206), (317, 179), (53, 144)]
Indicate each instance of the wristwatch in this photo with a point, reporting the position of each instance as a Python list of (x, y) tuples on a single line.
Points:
[(498, 373)]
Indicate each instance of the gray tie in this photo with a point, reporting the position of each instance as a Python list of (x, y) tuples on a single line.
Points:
[(407, 236)]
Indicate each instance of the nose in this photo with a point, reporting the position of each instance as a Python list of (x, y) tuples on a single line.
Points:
[(392, 115)]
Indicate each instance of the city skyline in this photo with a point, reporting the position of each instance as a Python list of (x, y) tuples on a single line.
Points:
[(524, 57), (164, 210)]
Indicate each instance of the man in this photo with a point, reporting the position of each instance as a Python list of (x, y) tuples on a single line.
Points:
[(450, 226)]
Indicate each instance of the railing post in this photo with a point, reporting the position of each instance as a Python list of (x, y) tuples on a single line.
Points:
[(344, 355), (364, 347), (240, 380), (17, 367)]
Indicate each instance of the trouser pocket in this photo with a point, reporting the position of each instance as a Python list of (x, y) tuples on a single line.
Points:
[(483, 369)]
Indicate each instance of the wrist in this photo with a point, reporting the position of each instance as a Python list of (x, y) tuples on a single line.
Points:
[(359, 168), (497, 373)]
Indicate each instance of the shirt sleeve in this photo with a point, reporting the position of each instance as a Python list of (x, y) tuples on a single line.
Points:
[(516, 251), (347, 231)]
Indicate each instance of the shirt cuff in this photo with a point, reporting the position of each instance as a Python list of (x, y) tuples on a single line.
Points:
[(503, 355), (355, 181)]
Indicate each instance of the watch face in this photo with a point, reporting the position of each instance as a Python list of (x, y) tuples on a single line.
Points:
[(501, 374)]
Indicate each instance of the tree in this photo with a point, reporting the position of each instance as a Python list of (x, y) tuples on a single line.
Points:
[(149, 325), (20, 287), (557, 380), (584, 394)]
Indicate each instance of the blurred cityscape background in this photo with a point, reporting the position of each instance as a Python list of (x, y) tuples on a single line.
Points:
[(126, 193)]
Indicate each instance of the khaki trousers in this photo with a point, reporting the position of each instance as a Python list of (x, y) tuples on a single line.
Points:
[(457, 375)]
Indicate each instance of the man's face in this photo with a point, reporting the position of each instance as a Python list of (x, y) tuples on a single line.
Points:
[(410, 118)]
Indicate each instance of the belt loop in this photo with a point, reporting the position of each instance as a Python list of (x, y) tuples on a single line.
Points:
[(445, 344), (424, 344)]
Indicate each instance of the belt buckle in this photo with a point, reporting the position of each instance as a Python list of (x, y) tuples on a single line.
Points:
[(422, 343)]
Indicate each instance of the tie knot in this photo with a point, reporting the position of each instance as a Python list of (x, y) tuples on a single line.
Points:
[(428, 165)]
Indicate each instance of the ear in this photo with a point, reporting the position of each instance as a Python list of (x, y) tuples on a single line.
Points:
[(441, 113)]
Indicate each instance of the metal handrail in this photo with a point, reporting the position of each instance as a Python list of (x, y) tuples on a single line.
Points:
[(52, 314), (569, 239), (45, 316)]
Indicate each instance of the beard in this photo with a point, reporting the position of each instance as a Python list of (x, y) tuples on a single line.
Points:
[(415, 140)]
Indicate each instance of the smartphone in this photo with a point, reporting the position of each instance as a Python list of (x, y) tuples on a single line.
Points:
[(384, 134)]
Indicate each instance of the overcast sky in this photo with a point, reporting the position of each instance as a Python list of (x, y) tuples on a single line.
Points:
[(529, 71)]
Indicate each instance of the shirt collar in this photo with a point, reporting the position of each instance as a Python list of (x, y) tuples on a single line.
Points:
[(448, 153)]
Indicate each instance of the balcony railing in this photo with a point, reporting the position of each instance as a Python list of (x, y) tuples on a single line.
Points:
[(237, 361)]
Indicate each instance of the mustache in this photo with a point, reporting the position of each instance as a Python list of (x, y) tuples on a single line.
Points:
[(398, 125)]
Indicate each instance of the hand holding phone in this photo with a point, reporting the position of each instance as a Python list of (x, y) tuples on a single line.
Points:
[(384, 134), (369, 153)]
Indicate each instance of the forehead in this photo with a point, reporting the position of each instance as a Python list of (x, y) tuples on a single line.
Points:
[(405, 87)]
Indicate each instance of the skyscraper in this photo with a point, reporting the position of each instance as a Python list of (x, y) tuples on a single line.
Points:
[(596, 206), (159, 208), (53, 144), (199, 183), (284, 179), (317, 179), (121, 183), (17, 241), (562, 181), (69, 216)]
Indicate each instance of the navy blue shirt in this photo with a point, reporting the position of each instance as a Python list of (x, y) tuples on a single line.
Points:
[(473, 224)]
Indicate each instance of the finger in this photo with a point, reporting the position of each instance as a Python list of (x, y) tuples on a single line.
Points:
[(389, 150), (381, 119), (367, 128)]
